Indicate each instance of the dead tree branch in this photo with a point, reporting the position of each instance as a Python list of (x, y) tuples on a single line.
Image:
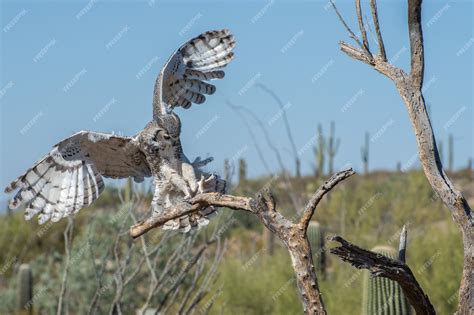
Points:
[(252, 136), (324, 189), (68, 234), (410, 89), (375, 18), (381, 266), (287, 126), (360, 20), (289, 187), (293, 235)]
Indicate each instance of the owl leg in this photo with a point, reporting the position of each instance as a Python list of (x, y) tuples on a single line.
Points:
[(198, 163), (189, 175), (177, 180), (159, 198)]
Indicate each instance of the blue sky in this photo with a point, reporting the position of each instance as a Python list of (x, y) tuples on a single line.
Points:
[(91, 65)]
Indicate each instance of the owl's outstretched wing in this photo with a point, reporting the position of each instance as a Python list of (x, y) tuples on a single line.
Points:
[(181, 81), (69, 177)]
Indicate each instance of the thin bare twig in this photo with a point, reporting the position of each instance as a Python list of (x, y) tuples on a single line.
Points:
[(252, 136), (365, 42), (191, 287), (68, 233), (180, 278), (351, 33), (287, 125), (289, 187), (375, 17), (201, 292)]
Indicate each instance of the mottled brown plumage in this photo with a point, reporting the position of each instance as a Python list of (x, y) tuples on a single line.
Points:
[(69, 177)]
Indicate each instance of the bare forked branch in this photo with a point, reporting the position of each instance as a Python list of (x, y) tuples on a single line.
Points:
[(293, 235), (351, 33), (409, 87)]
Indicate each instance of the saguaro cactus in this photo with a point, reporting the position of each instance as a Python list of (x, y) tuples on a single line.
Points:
[(319, 153), (25, 290), (364, 152), (242, 171), (316, 240), (227, 171), (399, 166), (381, 295), (332, 147), (269, 241)]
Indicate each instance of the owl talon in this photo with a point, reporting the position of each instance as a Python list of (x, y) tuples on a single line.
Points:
[(188, 194), (201, 163)]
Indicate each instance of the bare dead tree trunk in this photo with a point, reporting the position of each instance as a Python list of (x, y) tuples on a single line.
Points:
[(293, 235), (410, 86)]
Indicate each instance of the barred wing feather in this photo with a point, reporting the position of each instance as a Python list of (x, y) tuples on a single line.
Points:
[(69, 177), (181, 81)]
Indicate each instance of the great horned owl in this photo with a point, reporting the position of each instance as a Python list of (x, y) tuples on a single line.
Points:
[(69, 177)]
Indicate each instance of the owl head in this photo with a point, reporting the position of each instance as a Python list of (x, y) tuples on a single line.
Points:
[(161, 136), (170, 126)]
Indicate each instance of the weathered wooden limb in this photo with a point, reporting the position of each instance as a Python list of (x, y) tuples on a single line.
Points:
[(416, 44), (293, 235), (195, 204), (325, 188), (377, 62), (410, 89), (381, 266)]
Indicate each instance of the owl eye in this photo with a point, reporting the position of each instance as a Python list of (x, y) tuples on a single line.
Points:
[(164, 134), (157, 134)]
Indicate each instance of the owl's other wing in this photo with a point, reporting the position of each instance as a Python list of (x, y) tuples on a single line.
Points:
[(69, 177), (181, 81)]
